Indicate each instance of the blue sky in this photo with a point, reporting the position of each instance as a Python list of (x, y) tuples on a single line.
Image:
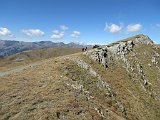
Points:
[(83, 21)]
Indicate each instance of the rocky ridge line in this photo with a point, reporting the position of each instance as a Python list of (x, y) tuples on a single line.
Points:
[(118, 52)]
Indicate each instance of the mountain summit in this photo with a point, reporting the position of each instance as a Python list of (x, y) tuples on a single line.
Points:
[(119, 81), (139, 39)]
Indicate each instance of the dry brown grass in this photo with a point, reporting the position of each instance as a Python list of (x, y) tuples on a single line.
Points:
[(31, 56), (41, 91)]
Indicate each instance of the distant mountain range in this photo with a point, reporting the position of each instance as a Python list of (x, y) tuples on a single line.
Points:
[(9, 47)]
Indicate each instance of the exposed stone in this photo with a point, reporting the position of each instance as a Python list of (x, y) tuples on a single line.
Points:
[(118, 51), (102, 56), (149, 65), (95, 46), (121, 108), (100, 111), (80, 88), (100, 83), (155, 58), (105, 54), (140, 39)]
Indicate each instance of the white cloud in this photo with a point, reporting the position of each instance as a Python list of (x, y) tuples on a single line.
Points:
[(113, 28), (57, 34), (75, 34), (158, 25), (5, 32), (63, 27), (133, 28), (55, 31), (33, 32)]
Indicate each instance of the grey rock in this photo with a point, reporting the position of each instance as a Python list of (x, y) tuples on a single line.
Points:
[(105, 54)]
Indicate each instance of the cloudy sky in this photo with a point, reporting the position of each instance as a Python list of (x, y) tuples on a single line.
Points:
[(83, 21)]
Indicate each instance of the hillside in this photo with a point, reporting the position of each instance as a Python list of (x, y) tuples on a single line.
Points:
[(119, 81), (31, 56), (9, 47)]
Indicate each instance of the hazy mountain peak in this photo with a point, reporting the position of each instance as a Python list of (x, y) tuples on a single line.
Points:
[(9, 47)]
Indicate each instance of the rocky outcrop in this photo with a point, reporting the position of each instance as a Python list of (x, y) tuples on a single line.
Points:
[(155, 58), (118, 52), (105, 54), (100, 83)]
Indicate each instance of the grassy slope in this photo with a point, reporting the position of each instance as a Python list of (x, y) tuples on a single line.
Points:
[(138, 104), (30, 56), (48, 91)]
